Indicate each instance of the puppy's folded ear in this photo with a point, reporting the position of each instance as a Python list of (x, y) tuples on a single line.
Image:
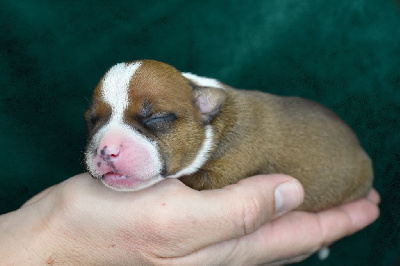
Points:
[(209, 101), (208, 95)]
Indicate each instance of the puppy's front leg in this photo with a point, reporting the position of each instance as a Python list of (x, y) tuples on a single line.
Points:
[(201, 180)]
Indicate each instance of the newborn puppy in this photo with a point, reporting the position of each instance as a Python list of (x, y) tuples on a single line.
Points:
[(147, 121)]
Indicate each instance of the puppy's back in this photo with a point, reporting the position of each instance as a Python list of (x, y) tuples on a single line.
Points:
[(303, 139)]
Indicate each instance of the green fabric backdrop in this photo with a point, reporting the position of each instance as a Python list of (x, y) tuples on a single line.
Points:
[(344, 54)]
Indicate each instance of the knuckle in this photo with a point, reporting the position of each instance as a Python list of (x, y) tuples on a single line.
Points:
[(250, 215)]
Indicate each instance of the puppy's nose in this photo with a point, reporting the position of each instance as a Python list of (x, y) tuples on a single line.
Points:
[(110, 151)]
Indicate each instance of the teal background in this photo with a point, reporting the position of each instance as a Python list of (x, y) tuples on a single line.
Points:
[(344, 54)]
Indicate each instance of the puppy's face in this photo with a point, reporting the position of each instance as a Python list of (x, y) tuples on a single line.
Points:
[(148, 121)]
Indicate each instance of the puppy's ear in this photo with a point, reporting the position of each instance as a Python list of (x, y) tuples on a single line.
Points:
[(208, 94), (209, 101)]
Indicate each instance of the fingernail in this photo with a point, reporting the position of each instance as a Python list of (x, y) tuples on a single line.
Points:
[(288, 196)]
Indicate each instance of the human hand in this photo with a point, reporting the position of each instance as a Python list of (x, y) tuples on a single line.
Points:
[(80, 221)]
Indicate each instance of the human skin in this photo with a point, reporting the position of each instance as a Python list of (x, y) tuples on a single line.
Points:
[(81, 222)]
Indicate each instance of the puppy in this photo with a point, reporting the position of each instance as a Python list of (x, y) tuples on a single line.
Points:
[(147, 121)]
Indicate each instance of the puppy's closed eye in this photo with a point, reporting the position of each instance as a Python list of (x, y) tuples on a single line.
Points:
[(159, 122)]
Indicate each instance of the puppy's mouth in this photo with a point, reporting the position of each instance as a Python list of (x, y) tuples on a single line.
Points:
[(123, 182), (120, 181), (112, 176)]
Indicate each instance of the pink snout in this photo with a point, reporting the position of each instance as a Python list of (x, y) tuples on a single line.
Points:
[(126, 160)]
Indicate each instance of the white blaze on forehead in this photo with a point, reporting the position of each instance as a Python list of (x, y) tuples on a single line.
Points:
[(115, 87), (203, 81)]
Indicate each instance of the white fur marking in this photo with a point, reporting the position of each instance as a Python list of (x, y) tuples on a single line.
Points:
[(201, 156), (116, 86), (203, 81)]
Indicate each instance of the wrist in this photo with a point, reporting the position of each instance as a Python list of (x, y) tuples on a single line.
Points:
[(28, 237), (20, 235)]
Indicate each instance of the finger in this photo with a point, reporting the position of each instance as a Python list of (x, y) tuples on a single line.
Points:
[(37, 197), (359, 219), (215, 216), (287, 261), (374, 196), (313, 231), (361, 213), (242, 208), (297, 234)]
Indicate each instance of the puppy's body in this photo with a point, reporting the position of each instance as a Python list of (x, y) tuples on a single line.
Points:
[(210, 135), (260, 133)]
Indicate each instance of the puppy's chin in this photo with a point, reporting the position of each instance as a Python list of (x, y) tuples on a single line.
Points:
[(121, 182)]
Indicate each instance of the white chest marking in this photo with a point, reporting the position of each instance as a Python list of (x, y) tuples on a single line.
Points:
[(116, 86), (201, 156)]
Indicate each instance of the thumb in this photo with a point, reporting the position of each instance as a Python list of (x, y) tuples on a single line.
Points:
[(254, 201), (240, 209)]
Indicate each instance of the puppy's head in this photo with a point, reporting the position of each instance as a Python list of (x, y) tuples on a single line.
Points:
[(147, 121)]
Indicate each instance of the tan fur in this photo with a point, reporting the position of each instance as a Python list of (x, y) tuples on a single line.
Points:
[(260, 133)]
